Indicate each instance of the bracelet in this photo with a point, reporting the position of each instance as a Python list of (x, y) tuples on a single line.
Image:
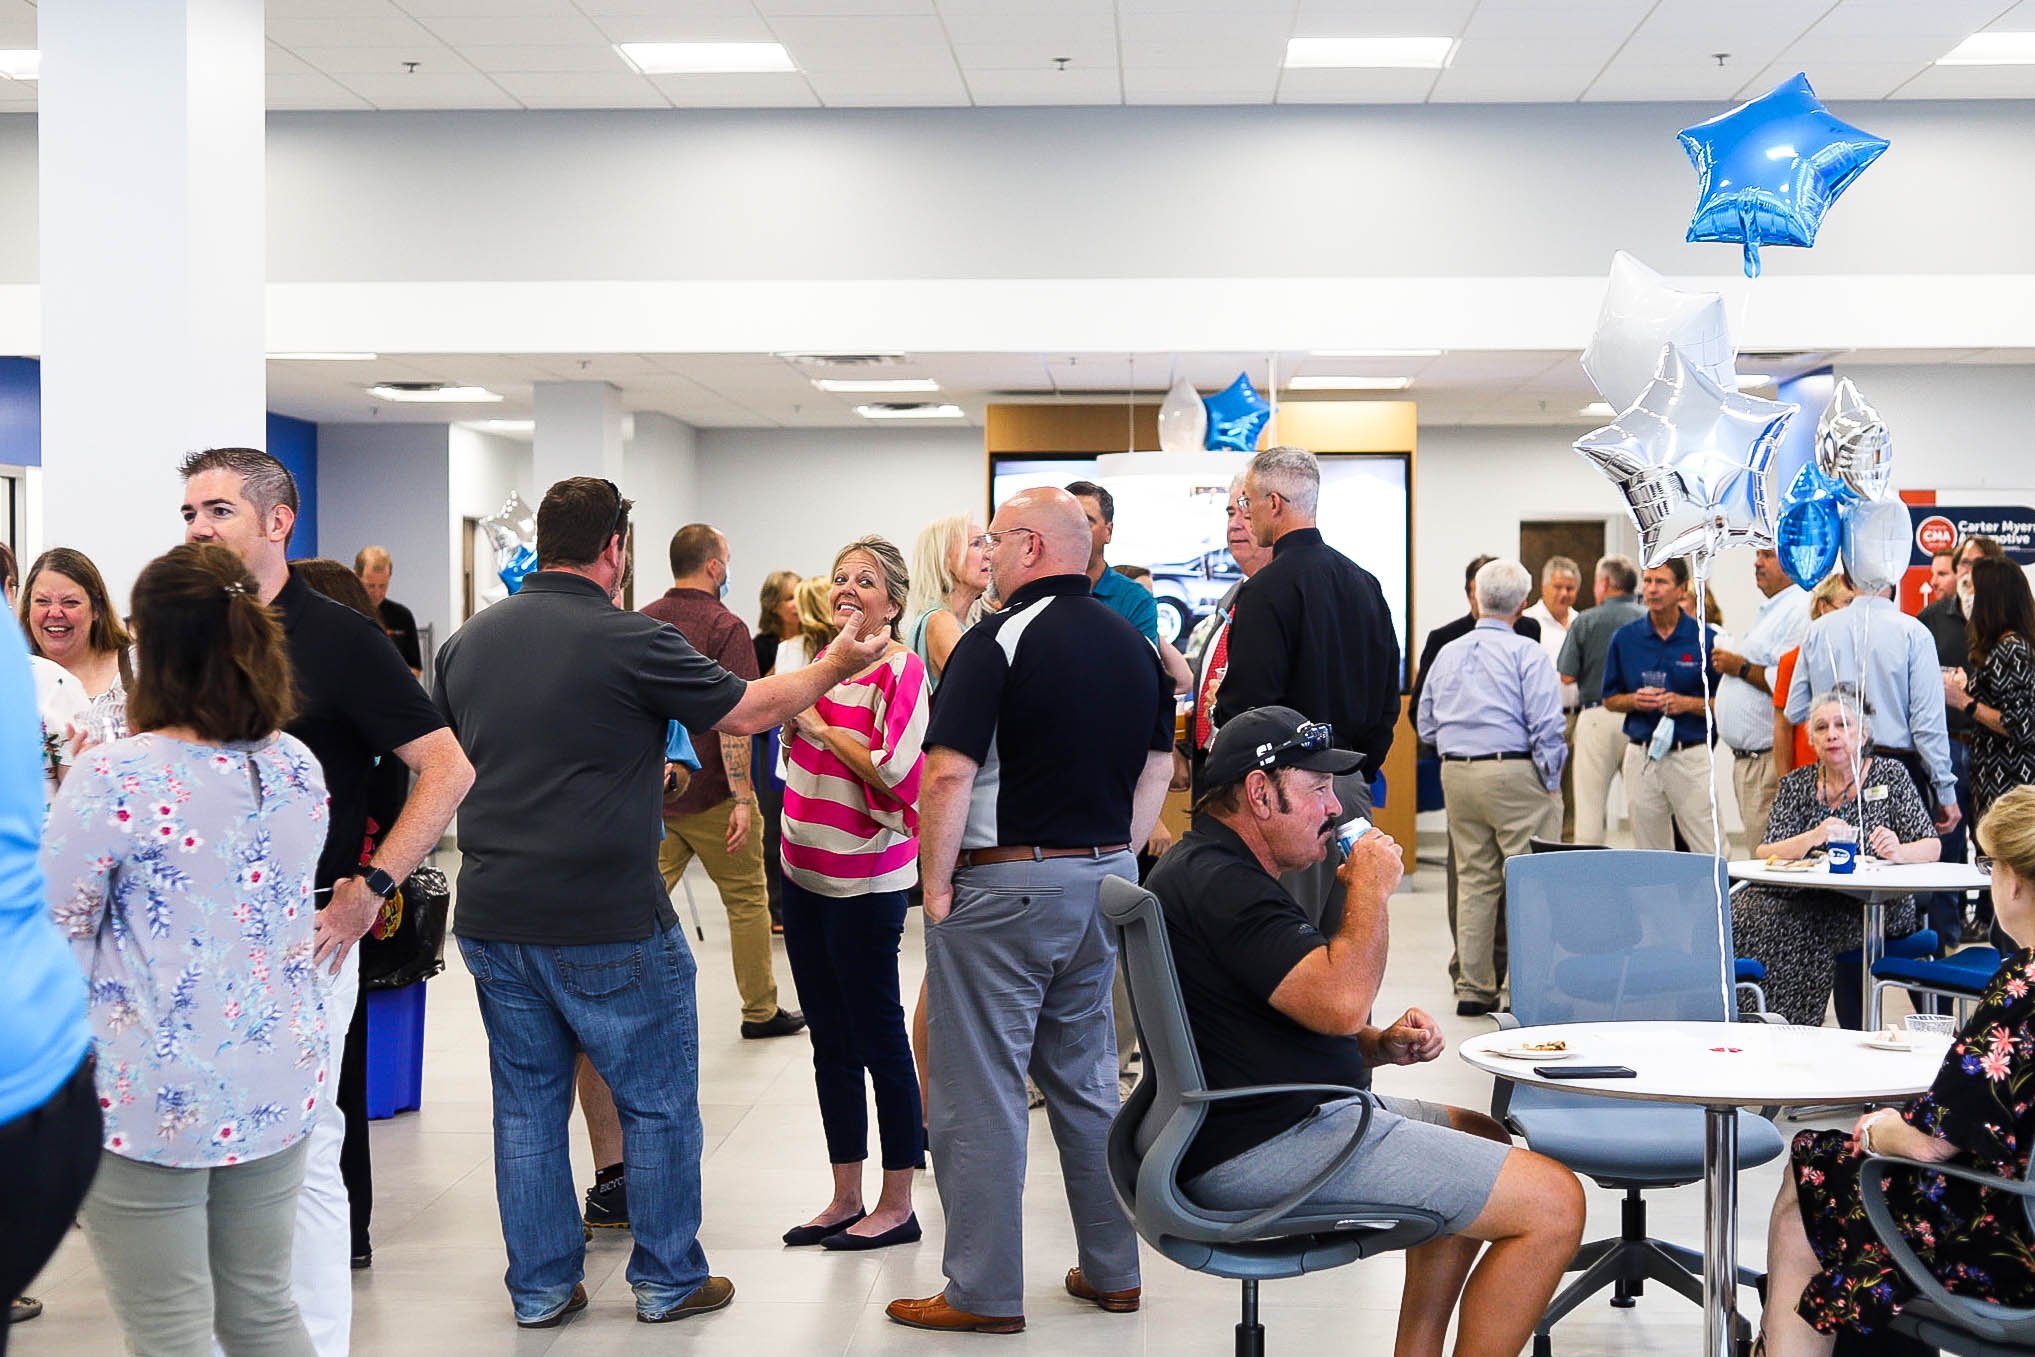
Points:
[(1865, 1144)]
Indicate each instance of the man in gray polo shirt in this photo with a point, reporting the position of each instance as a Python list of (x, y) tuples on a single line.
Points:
[(1600, 734), (561, 701)]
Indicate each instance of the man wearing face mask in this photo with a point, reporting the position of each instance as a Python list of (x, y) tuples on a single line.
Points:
[(715, 817)]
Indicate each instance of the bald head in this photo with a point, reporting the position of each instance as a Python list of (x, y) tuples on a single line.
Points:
[(1054, 539)]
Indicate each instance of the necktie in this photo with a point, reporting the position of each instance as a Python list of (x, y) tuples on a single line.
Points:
[(1211, 679)]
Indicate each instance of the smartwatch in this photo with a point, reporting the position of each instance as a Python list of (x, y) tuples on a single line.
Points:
[(380, 882)]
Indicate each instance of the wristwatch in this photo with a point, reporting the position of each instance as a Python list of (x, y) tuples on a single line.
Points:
[(380, 882)]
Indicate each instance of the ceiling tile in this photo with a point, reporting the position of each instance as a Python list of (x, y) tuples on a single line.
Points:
[(392, 30), (745, 27), (1517, 55), (564, 57), (974, 30), (484, 9), (931, 85), (522, 30), (736, 91), (425, 89), (1837, 80), (308, 90), (1546, 84), (1281, 10), (1018, 56), (1053, 9), (802, 34), (842, 9), (886, 58), (1734, 18), (1627, 81), (329, 9), (432, 58), (602, 9), (581, 89), (1355, 87), (1141, 80), (1536, 19), (1972, 82), (1261, 56), (1884, 18), (281, 61), (1045, 87)]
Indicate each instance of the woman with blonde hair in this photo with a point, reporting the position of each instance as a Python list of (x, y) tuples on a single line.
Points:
[(950, 571), (815, 625), (851, 823)]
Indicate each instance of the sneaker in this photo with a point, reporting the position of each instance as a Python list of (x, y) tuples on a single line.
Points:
[(607, 1205), (713, 1294), (779, 1024)]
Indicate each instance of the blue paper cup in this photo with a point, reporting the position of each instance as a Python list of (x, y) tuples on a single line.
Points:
[(1842, 859)]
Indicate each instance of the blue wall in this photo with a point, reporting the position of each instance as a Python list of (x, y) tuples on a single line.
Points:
[(294, 443), (20, 412)]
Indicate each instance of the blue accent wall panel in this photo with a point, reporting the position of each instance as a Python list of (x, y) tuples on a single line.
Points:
[(294, 443), (20, 412)]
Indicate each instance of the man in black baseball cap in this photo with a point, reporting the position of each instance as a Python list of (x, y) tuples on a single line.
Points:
[(1270, 999)]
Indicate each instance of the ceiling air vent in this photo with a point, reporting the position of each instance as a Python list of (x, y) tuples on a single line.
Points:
[(845, 360)]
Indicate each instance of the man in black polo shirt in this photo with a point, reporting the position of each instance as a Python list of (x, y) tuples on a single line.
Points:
[(1312, 632), (1046, 763), (1270, 1000), (356, 701), (562, 700)]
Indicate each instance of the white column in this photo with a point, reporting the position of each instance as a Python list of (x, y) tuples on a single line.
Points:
[(153, 249), (662, 480), (579, 433)]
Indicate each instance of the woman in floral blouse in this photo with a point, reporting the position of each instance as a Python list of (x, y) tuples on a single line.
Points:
[(1826, 1270), (1999, 693), (179, 863)]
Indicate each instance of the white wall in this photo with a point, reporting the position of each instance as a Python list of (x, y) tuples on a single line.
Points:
[(387, 485), (1958, 428), (481, 471), (789, 499), (660, 473)]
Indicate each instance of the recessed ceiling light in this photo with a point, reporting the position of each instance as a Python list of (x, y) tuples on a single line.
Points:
[(1748, 380), (706, 58), (1348, 383), (509, 425), (431, 392), (891, 411), (323, 357), (20, 63), (1375, 353), (1992, 49), (1425, 54), (1597, 410), (875, 385)]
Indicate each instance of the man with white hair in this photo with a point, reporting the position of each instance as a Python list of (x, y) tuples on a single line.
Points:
[(1560, 581), (1312, 632), (1492, 707)]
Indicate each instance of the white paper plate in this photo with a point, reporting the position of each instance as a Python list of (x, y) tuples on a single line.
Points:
[(1881, 1044), (1521, 1053)]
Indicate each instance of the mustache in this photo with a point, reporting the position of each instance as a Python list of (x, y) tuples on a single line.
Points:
[(1327, 829)]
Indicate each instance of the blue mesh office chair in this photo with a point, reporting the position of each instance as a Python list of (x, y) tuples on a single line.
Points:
[(1608, 937), (1150, 1135)]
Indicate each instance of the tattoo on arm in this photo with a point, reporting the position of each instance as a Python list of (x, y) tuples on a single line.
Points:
[(735, 756)]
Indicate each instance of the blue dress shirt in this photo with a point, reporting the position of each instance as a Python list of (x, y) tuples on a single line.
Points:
[(1495, 692), (1902, 683), (1745, 715), (1636, 648)]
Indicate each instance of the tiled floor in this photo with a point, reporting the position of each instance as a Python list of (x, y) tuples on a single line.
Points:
[(436, 1284)]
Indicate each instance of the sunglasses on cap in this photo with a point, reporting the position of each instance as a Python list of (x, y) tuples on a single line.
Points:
[(1312, 737)]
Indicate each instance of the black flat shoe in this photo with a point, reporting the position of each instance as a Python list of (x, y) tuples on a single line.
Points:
[(798, 1236), (907, 1233)]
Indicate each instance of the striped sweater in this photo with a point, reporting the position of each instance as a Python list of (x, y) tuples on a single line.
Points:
[(841, 836)]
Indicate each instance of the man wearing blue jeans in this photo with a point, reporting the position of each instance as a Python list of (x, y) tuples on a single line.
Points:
[(1271, 1000), (561, 700)]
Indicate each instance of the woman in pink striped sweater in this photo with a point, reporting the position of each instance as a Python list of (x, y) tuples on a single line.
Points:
[(850, 834)]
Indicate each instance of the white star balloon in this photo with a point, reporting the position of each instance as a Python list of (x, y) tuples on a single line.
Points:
[(1640, 314), (1691, 459)]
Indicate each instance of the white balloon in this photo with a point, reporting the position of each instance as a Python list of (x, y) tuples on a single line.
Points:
[(1640, 314), (1878, 535), (1183, 419)]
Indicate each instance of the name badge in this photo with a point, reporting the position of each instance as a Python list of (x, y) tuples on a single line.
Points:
[(1876, 793)]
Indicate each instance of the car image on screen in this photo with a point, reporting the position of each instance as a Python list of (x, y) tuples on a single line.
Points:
[(1187, 591)]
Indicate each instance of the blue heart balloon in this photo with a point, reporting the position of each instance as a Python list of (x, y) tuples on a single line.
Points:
[(1807, 539), (1771, 168), (1236, 416)]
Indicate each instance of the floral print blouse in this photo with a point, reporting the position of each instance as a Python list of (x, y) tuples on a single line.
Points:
[(1975, 1241), (182, 875)]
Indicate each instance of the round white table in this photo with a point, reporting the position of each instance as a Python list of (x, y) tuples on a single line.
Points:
[(1872, 885), (1722, 1067)]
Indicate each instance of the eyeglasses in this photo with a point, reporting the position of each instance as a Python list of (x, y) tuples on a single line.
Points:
[(621, 507), (1312, 737), (1244, 501), (989, 540)]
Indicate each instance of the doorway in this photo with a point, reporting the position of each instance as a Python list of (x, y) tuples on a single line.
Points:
[(1579, 539)]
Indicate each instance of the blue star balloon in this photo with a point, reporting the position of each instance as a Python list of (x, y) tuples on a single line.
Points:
[(1692, 461), (1771, 168), (1236, 416)]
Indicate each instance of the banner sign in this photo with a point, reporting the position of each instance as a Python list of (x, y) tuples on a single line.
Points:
[(1940, 527)]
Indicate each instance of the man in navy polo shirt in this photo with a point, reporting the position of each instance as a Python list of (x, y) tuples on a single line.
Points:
[(1046, 763), (1658, 666)]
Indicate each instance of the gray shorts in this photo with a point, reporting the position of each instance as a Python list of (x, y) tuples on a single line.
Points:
[(1411, 1157)]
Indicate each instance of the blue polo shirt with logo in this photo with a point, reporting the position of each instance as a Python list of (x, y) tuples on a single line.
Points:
[(1636, 648)]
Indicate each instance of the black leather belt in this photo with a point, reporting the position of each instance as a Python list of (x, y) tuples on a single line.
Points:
[(985, 857), (1677, 747), (1485, 758)]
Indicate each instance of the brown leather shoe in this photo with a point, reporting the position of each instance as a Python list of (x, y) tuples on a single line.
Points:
[(710, 1295), (934, 1313), (1116, 1302)]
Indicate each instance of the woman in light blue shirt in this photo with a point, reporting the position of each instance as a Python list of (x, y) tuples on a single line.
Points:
[(180, 864)]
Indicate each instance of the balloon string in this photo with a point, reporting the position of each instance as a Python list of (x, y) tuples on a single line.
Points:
[(1710, 746)]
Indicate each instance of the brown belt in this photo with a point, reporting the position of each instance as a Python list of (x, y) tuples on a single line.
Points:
[(985, 857)]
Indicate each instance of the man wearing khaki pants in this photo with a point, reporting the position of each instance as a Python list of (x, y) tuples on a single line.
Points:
[(1656, 672), (1492, 708)]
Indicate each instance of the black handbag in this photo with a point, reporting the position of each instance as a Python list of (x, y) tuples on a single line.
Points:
[(407, 943)]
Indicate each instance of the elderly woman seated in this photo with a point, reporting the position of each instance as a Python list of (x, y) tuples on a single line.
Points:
[(1826, 1269), (1794, 930)]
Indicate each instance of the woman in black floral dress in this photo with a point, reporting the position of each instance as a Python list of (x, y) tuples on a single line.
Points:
[(1794, 930), (1999, 693), (1826, 1270)]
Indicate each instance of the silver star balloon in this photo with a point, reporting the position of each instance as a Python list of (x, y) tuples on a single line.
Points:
[(1853, 447), (1692, 462)]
